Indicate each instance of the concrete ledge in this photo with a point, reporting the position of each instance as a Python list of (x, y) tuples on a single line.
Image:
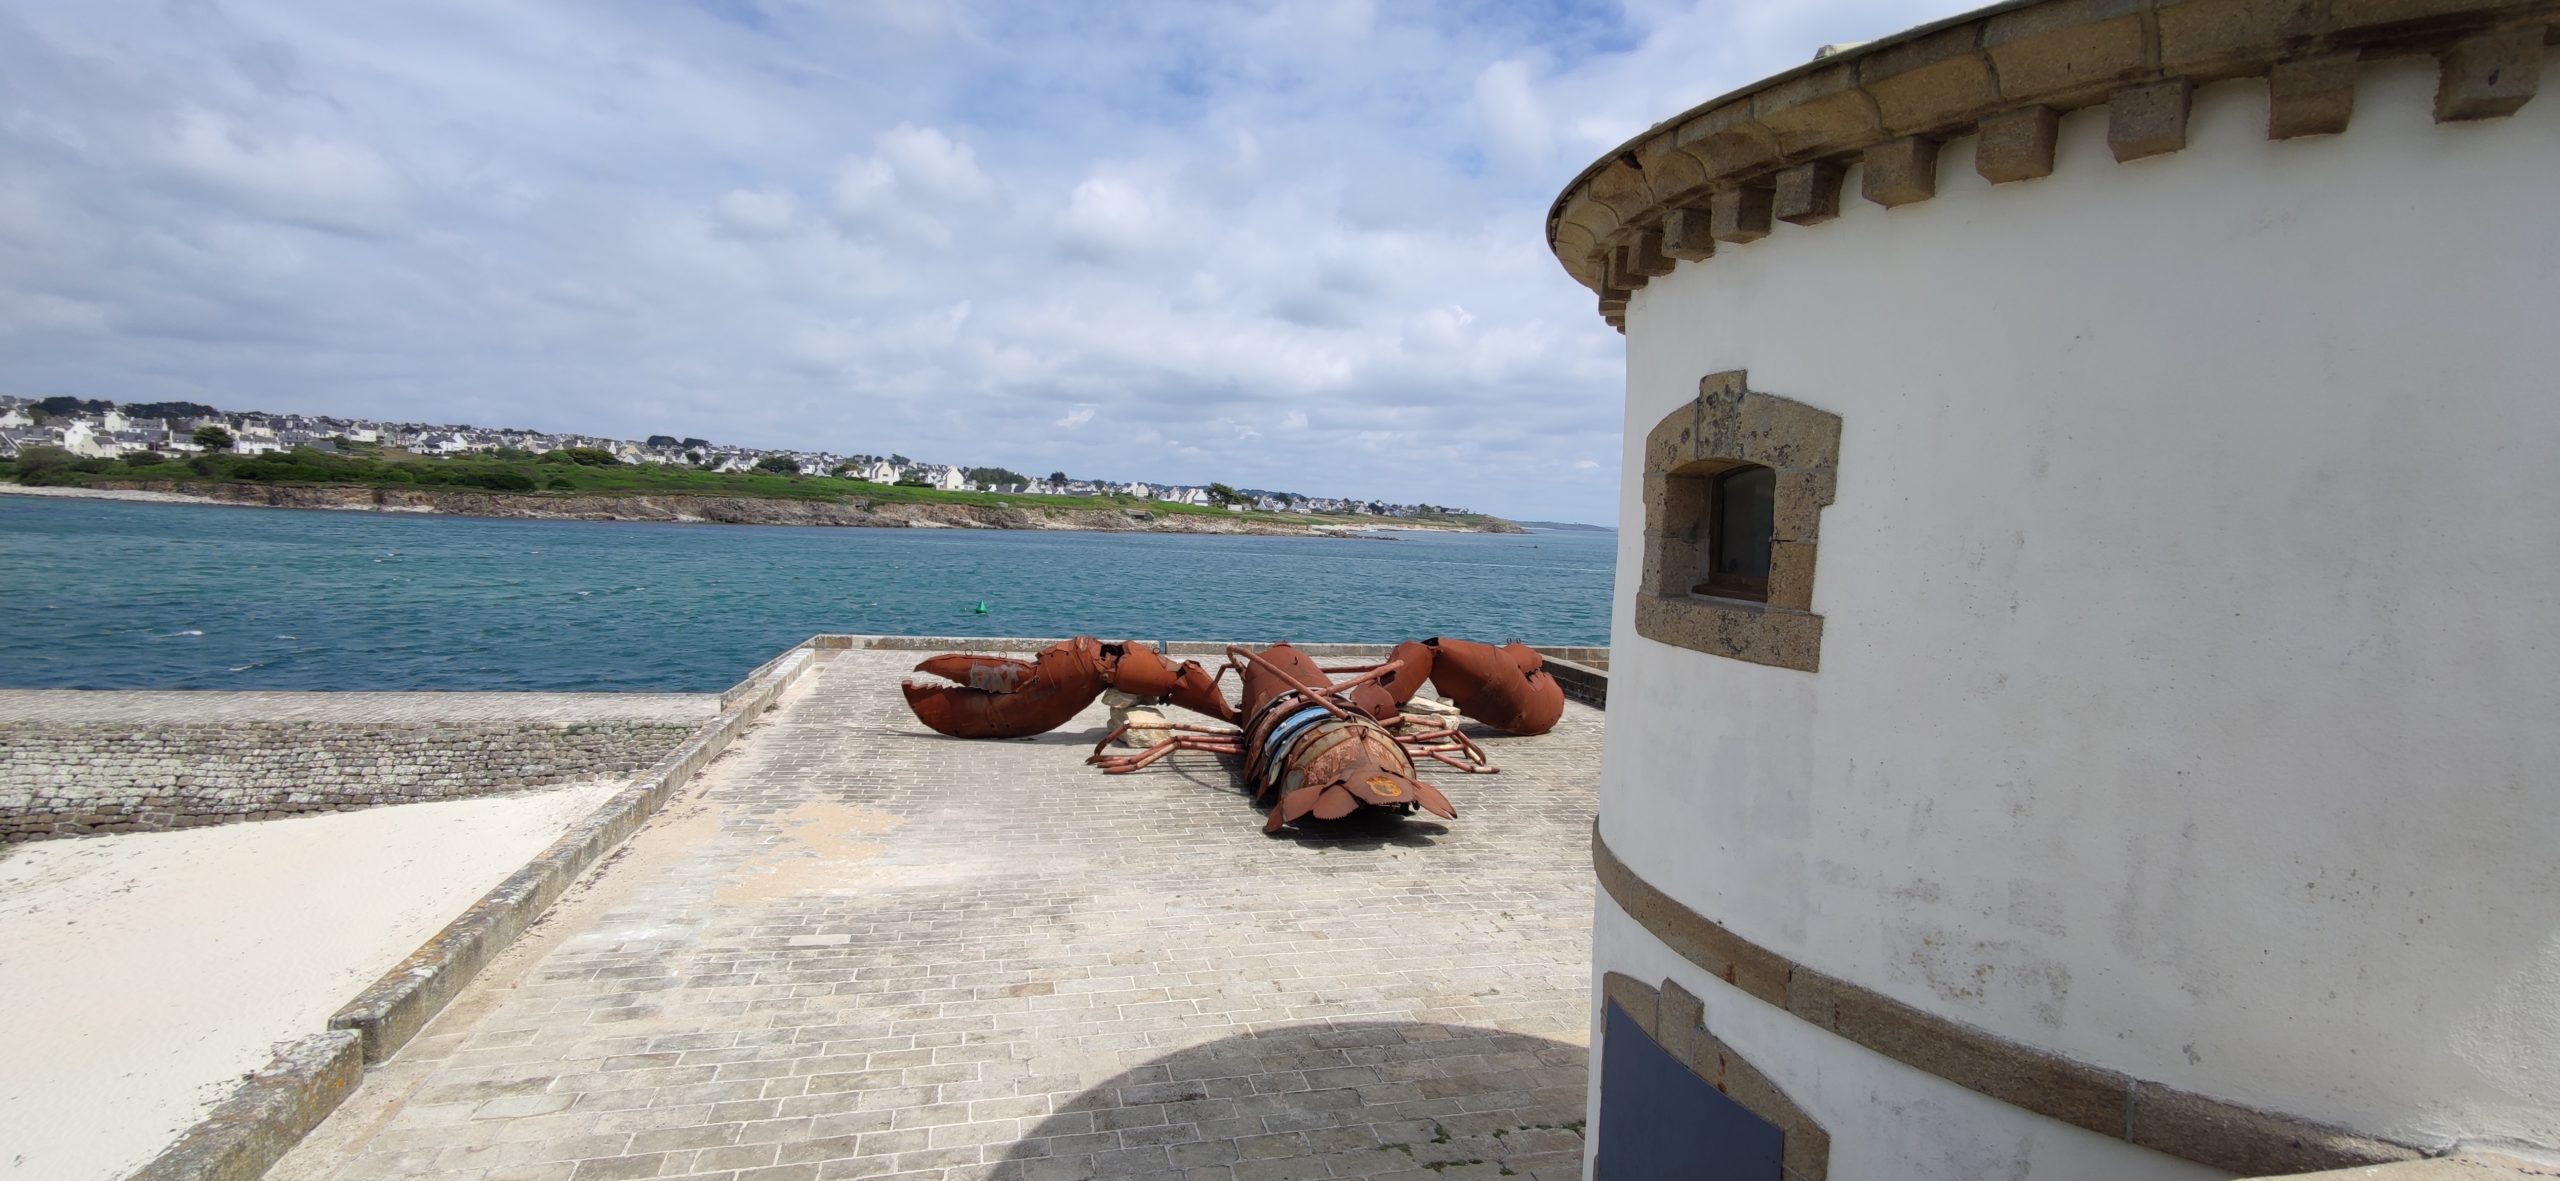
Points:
[(749, 684), (267, 1114), (1581, 682)]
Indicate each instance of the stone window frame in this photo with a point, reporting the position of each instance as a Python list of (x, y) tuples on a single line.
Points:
[(1730, 425), (1675, 1019)]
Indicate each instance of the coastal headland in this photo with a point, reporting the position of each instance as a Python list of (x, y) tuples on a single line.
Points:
[(853, 510)]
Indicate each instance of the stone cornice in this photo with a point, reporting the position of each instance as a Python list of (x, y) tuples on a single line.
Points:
[(1726, 170)]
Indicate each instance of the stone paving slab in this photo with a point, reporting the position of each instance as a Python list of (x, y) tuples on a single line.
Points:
[(198, 707), (863, 950)]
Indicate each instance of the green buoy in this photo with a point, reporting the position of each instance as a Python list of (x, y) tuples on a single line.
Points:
[(982, 606)]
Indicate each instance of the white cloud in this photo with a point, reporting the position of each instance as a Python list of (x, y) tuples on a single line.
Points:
[(1074, 418), (909, 182), (933, 165), (309, 180), (1110, 218), (1517, 129), (761, 212)]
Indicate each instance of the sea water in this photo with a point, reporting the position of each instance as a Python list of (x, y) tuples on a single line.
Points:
[(121, 595)]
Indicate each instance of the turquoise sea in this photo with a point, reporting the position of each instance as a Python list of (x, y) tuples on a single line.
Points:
[(119, 595)]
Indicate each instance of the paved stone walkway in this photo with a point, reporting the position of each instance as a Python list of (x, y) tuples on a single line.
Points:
[(198, 708), (862, 950)]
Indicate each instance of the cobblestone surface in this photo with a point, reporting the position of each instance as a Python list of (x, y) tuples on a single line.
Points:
[(862, 950)]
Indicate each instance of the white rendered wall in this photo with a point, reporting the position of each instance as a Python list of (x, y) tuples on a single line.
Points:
[(2189, 700)]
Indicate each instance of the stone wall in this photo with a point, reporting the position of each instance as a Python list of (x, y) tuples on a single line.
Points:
[(76, 778)]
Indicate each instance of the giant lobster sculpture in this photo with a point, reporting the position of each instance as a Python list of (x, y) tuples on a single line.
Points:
[(1326, 747)]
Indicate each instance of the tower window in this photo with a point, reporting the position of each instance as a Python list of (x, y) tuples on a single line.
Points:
[(1734, 484), (1741, 512)]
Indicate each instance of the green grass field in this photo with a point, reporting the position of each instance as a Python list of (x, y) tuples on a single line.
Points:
[(554, 475)]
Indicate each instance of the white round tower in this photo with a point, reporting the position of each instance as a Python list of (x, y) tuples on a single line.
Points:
[(2087, 655)]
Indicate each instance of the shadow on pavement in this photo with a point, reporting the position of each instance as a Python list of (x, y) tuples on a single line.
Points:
[(1388, 1099)]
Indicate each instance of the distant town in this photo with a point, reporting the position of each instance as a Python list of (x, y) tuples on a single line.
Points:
[(98, 429)]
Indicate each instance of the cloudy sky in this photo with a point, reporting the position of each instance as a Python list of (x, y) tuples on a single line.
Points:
[(1288, 245)]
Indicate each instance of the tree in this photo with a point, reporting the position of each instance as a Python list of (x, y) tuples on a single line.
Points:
[(780, 465), (1057, 477), (212, 438), (44, 465), (169, 410), (1221, 494), (994, 477), (583, 457)]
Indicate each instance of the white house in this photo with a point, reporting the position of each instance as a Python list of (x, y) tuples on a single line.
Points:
[(2082, 688), (82, 437)]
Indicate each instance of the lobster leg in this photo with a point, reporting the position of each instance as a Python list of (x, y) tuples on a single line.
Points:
[(1123, 764)]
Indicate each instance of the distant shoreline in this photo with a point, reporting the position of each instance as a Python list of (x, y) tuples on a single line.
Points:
[(723, 510)]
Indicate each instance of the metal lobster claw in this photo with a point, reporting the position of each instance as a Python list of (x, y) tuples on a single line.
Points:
[(1001, 697), (1506, 688), (1004, 698)]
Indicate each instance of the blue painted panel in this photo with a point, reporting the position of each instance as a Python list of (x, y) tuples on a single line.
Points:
[(1659, 1121)]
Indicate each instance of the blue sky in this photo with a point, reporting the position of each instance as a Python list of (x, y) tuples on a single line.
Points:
[(1290, 245)]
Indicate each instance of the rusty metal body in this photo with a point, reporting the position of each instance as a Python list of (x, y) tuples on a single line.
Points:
[(1324, 747)]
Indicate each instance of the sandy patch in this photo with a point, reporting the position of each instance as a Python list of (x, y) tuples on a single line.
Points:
[(104, 494), (813, 855), (143, 973)]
